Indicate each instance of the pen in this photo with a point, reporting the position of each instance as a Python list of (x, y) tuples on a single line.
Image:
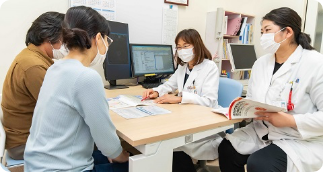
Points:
[(144, 98)]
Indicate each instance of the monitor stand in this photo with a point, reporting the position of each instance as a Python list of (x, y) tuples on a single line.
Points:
[(113, 85)]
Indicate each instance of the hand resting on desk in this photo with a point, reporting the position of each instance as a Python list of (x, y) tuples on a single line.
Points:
[(167, 98), (150, 93)]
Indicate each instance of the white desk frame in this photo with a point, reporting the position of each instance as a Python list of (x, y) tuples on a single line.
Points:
[(158, 156)]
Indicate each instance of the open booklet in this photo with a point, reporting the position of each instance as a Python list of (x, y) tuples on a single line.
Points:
[(129, 106), (246, 108), (123, 101)]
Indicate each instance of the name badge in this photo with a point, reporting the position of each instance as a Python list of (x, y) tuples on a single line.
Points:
[(192, 89), (280, 103)]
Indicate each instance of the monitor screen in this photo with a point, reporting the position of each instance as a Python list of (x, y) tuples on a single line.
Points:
[(152, 59), (244, 56), (117, 64)]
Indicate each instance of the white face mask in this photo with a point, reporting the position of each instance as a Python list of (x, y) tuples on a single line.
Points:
[(186, 55), (99, 58), (268, 44), (59, 53)]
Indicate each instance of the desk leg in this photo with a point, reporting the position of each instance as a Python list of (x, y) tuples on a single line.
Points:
[(160, 161)]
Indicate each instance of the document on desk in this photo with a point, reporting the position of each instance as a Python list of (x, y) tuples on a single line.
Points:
[(124, 101), (140, 111), (129, 106)]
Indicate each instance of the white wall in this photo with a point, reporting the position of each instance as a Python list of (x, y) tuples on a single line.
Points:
[(194, 16), (16, 17)]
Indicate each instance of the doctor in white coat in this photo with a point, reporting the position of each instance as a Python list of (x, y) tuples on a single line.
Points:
[(291, 73), (197, 81)]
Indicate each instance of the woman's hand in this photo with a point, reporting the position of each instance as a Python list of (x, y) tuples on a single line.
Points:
[(168, 98), (123, 157), (150, 93), (277, 119)]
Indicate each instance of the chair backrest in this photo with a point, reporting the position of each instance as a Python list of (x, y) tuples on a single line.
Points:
[(2, 133), (13, 165), (3, 168), (229, 89), (1, 113)]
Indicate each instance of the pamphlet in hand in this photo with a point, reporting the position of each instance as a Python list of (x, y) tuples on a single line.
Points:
[(246, 108)]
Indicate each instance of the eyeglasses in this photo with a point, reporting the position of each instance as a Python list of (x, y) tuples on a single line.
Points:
[(184, 47), (109, 41)]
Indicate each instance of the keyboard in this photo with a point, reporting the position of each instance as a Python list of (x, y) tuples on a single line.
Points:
[(150, 85)]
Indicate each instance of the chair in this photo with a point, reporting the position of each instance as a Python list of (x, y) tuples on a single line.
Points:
[(229, 89), (3, 168), (10, 164), (2, 133), (1, 113)]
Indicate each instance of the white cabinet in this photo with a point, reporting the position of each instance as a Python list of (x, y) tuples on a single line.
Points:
[(217, 25)]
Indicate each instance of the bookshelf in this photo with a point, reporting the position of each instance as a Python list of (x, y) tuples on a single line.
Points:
[(223, 27)]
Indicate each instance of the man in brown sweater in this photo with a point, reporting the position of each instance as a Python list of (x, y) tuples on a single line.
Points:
[(25, 77)]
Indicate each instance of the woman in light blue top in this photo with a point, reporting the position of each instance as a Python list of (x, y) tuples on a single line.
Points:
[(71, 112)]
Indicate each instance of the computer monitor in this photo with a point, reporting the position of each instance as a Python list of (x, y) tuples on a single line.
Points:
[(117, 64), (151, 59), (243, 56)]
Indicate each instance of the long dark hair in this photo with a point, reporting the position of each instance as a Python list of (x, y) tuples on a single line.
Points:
[(191, 36), (286, 17), (81, 24), (47, 27)]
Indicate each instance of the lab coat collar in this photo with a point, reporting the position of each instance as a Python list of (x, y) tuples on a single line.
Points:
[(270, 69), (292, 59), (180, 78), (193, 74)]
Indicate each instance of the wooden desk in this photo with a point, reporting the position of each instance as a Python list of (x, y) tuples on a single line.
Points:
[(156, 136)]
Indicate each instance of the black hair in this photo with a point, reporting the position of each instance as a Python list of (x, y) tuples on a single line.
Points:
[(286, 17), (81, 24), (47, 27)]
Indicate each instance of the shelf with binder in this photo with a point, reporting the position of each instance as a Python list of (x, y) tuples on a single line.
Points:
[(225, 27), (230, 36)]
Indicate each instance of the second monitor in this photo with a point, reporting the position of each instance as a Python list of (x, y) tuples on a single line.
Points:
[(243, 56), (149, 59)]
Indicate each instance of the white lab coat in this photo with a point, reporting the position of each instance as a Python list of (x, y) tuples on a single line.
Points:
[(206, 79), (304, 145)]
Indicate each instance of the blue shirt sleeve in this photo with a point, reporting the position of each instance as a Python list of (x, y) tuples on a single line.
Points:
[(90, 102)]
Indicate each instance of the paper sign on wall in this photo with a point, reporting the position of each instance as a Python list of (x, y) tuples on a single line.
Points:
[(170, 21), (106, 8)]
